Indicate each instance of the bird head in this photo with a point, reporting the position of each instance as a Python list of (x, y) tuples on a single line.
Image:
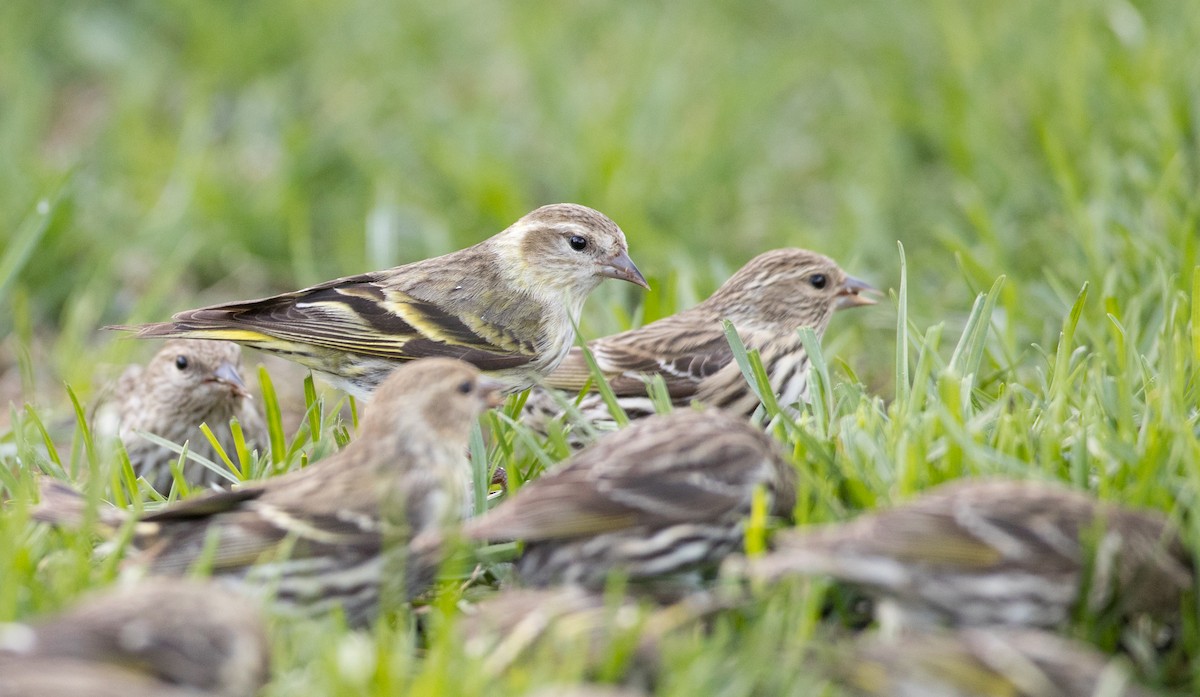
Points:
[(437, 398), (198, 372), (790, 285), (566, 249)]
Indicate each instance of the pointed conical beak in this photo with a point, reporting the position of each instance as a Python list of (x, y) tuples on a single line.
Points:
[(493, 391), (621, 267), (851, 294), (227, 374)]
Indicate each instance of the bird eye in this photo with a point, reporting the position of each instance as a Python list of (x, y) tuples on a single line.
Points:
[(818, 280), (181, 362), (465, 387), (577, 243)]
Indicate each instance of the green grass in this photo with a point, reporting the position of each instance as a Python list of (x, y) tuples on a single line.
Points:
[(1039, 162)]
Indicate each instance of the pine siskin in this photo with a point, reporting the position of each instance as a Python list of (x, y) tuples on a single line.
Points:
[(182, 633), (767, 300), (336, 533), (997, 552), (670, 493), (186, 384), (505, 305), (66, 677), (992, 662), (511, 625)]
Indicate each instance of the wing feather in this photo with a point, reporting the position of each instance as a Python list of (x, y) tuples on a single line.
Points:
[(363, 315), (683, 349)]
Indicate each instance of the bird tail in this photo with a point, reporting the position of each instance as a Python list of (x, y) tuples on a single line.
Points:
[(824, 553), (185, 329), (61, 505)]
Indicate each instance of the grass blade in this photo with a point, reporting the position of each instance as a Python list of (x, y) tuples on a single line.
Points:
[(273, 416)]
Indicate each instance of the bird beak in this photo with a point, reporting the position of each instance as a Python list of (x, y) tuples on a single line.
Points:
[(621, 267), (227, 374), (493, 391), (851, 293)]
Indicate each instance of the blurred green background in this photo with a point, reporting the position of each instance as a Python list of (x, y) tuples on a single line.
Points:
[(160, 155), (185, 152)]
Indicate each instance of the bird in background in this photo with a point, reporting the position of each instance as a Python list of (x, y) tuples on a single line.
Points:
[(168, 632), (767, 300), (365, 522), (997, 552), (185, 384), (506, 305), (991, 662), (668, 494)]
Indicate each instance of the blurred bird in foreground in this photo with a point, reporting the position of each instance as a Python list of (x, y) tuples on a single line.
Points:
[(186, 384), (670, 493), (997, 552), (505, 305), (363, 522), (511, 626), (182, 633), (767, 300), (67, 677), (991, 662)]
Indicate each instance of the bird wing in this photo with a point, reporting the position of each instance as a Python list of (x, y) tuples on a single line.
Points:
[(683, 349), (246, 531), (643, 479), (204, 506), (367, 315), (930, 537)]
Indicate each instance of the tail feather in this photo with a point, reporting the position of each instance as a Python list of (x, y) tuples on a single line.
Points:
[(64, 506), (186, 329)]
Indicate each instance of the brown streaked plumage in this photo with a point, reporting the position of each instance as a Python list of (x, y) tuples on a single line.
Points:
[(68, 677), (991, 662), (184, 633), (767, 300), (990, 552), (668, 494), (185, 384), (508, 627), (363, 522), (505, 305)]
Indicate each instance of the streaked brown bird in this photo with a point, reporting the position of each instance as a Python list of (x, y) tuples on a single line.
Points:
[(511, 626), (505, 305), (767, 300), (669, 493), (185, 384), (178, 632), (992, 662), (68, 677), (997, 552), (364, 522)]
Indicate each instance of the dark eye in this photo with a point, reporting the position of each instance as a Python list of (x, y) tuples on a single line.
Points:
[(577, 243), (181, 362), (465, 387), (818, 280)]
